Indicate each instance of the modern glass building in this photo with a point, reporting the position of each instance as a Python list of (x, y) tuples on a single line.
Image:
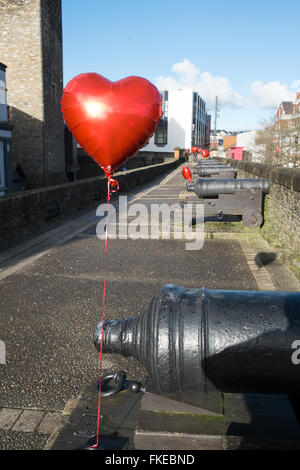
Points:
[(184, 122), (199, 120)]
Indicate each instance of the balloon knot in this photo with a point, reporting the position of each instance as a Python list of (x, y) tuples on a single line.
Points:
[(112, 186)]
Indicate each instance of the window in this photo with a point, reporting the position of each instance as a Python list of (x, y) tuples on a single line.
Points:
[(161, 133), (160, 138), (165, 102)]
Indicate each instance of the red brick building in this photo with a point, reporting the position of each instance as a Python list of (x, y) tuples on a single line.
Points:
[(286, 113), (287, 132)]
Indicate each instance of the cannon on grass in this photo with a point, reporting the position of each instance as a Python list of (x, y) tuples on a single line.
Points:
[(195, 341), (224, 196)]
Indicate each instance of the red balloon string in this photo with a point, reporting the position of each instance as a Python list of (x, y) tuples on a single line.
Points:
[(114, 183)]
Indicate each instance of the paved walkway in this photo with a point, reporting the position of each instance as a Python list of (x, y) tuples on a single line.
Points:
[(51, 296)]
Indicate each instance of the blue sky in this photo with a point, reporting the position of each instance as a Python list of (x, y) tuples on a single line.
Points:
[(247, 53)]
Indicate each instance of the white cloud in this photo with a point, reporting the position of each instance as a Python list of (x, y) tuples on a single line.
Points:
[(296, 85), (187, 72), (262, 95), (270, 94), (211, 86), (207, 85)]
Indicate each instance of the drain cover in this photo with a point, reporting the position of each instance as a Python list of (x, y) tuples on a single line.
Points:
[(88, 425)]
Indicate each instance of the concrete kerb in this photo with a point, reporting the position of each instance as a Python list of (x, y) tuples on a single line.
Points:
[(70, 406)]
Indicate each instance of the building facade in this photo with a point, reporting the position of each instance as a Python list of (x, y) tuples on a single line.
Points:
[(229, 141), (287, 133), (183, 124), (6, 184), (248, 141), (31, 47), (236, 153), (286, 112), (207, 132)]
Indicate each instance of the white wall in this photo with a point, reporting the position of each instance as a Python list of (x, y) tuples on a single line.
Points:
[(247, 140), (180, 106)]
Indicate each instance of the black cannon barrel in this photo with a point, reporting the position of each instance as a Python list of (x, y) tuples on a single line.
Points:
[(200, 340), (208, 163), (215, 170), (212, 165), (206, 188)]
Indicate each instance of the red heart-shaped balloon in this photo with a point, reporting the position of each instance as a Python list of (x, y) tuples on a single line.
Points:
[(205, 153), (111, 120), (186, 173), (195, 150)]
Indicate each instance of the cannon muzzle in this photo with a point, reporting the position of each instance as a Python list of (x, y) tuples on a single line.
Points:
[(200, 340)]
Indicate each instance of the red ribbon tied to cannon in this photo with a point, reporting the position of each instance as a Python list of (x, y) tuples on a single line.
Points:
[(111, 121)]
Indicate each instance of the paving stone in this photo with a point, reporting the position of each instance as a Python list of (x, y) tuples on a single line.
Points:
[(28, 421), (8, 417), (165, 441), (154, 402), (50, 422)]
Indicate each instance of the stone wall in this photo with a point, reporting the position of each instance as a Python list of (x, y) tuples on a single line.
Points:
[(52, 77), (282, 206), (25, 212), (89, 168), (31, 47)]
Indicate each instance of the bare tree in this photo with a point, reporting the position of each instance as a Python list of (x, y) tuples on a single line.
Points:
[(280, 141), (266, 139), (289, 143)]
